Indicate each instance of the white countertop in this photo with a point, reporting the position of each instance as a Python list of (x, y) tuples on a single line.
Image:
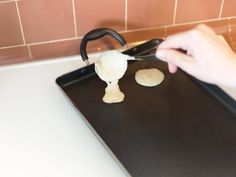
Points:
[(41, 134)]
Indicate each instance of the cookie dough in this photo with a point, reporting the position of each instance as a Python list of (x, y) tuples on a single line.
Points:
[(149, 77), (110, 67)]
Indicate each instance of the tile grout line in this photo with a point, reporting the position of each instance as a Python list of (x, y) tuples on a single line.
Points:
[(179, 24), (140, 29), (39, 43), (229, 31), (8, 1), (12, 46), (165, 32), (29, 52), (52, 41), (74, 18), (19, 18), (126, 15), (200, 21), (221, 8), (22, 31), (175, 11)]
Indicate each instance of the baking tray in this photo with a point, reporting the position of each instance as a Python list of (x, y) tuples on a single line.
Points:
[(177, 129)]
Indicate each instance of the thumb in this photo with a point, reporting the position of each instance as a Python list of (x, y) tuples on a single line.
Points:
[(174, 57)]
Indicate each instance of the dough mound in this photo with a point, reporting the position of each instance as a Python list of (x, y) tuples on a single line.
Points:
[(110, 67), (149, 77), (113, 93)]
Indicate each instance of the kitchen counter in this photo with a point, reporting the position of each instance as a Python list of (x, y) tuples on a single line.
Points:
[(41, 134)]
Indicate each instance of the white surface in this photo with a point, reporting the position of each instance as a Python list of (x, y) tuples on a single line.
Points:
[(41, 135)]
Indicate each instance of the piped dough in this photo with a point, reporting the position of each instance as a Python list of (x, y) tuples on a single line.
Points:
[(110, 67), (113, 93), (149, 77)]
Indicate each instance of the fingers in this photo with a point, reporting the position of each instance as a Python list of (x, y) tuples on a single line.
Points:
[(224, 41), (177, 41), (175, 58), (172, 68), (186, 39), (206, 29)]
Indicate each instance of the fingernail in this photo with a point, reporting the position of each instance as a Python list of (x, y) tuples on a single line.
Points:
[(161, 55)]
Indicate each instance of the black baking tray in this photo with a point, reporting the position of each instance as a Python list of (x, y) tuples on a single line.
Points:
[(181, 128)]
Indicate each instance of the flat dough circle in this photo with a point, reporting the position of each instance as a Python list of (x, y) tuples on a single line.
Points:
[(149, 77)]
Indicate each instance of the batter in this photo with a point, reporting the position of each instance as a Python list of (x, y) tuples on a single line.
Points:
[(110, 67), (149, 77)]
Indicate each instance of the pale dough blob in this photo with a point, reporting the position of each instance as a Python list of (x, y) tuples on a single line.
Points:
[(113, 93), (110, 67), (149, 77)]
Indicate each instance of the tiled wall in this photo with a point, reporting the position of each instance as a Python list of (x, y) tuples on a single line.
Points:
[(39, 29)]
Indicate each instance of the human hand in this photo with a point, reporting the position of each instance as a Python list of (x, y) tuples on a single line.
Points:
[(208, 57)]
